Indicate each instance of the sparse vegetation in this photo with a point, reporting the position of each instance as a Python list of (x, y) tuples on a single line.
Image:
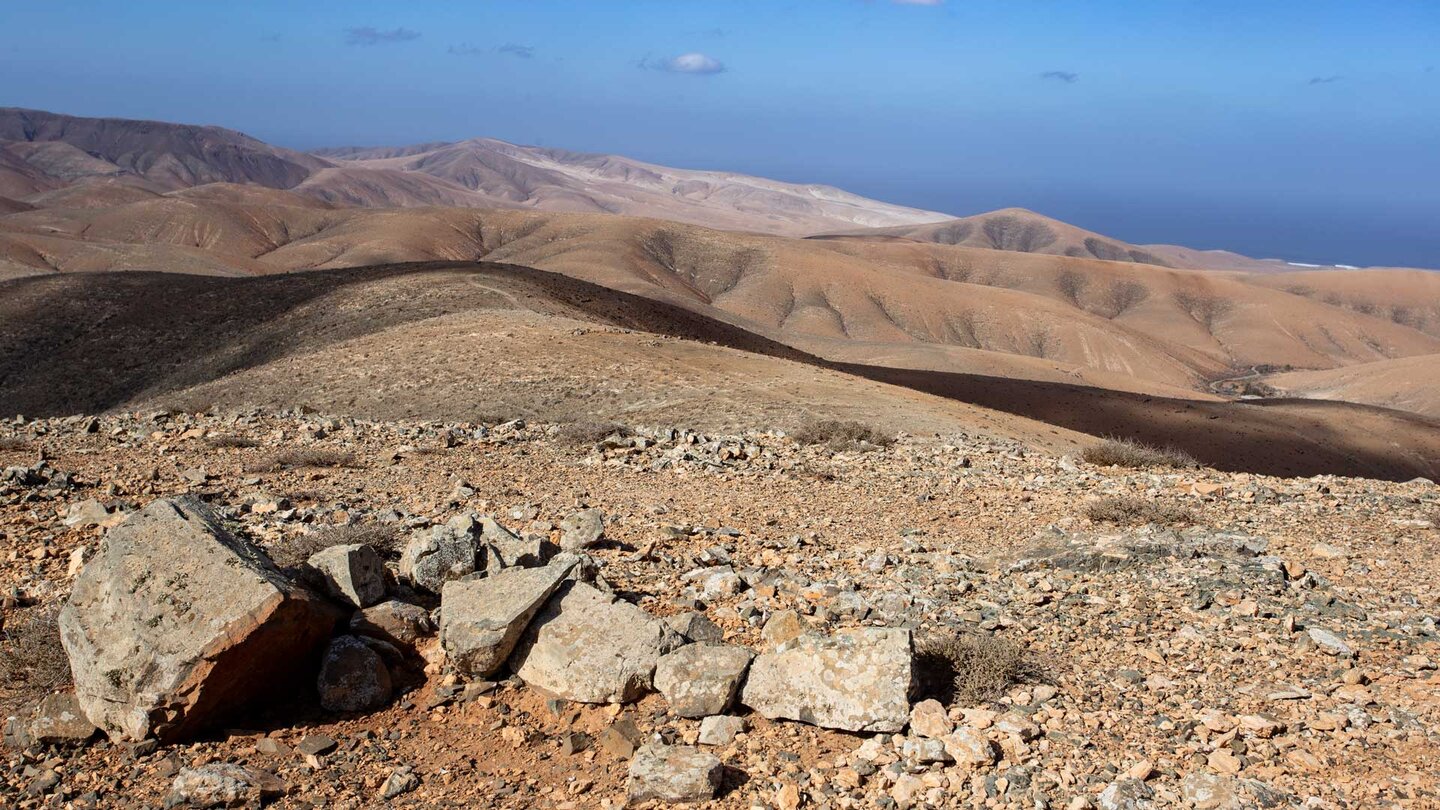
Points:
[(1117, 452), (588, 432), (32, 661), (1121, 297), (837, 435), (292, 552), (317, 457), (1072, 285), (1204, 308), (1129, 510), (968, 669)]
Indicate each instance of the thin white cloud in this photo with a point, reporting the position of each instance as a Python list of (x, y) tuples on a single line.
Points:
[(696, 64)]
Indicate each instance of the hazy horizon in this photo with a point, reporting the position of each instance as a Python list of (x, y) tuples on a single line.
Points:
[(1308, 132)]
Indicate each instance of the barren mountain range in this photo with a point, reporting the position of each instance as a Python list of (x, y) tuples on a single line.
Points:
[(964, 308)]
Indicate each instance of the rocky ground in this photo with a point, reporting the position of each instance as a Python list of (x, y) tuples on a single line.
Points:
[(1276, 646)]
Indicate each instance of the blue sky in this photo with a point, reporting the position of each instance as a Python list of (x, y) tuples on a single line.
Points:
[(1305, 130)]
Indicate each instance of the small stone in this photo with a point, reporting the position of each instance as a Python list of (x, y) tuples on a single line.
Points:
[(393, 621), (1208, 791), (696, 627), (58, 719), (1224, 761), (224, 784), (969, 748), (720, 729), (353, 677), (1126, 794), (673, 773), (315, 745), (581, 530), (929, 719), (1329, 642), (620, 739), (782, 626), (402, 780)]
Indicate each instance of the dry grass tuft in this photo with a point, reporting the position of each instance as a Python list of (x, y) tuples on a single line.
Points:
[(1128, 510), (221, 441), (837, 435), (292, 552), (1126, 453), (303, 458), (970, 669), (590, 432), (32, 662)]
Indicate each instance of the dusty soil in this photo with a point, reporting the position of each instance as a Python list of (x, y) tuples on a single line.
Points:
[(1155, 643)]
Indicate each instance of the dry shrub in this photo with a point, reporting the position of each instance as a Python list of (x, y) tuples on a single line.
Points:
[(292, 552), (590, 432), (1127, 453), (31, 658), (969, 669), (837, 434), (1128, 510), (302, 458), (221, 441), (13, 443)]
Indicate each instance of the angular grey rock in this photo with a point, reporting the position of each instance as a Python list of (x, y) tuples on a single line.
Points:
[(353, 677), (481, 620), (699, 680), (59, 719), (508, 550), (1208, 791), (696, 627), (855, 680), (582, 530), (1126, 794), (402, 780), (674, 774), (224, 784), (86, 514), (352, 573), (1329, 642), (443, 553), (586, 648), (399, 623), (175, 622), (720, 729)]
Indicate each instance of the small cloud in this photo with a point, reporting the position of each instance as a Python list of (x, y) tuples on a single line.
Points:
[(1060, 76), (1325, 80), (369, 35), (695, 64), (518, 51)]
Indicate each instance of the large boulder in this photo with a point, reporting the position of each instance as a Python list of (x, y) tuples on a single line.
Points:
[(855, 680), (699, 680), (352, 573), (175, 622), (481, 620), (443, 553), (587, 648), (673, 774)]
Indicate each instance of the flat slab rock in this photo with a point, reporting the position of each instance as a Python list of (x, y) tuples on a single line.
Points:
[(175, 622), (481, 620), (224, 784), (699, 680), (589, 649), (854, 680), (673, 773)]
